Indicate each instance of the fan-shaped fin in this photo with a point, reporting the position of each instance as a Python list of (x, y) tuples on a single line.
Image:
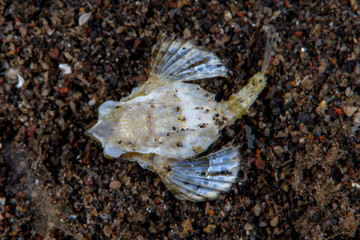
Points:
[(179, 60), (203, 178)]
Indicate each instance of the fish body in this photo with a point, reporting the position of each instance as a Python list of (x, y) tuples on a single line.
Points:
[(168, 122)]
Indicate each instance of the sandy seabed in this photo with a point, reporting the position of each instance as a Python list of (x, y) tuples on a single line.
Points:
[(300, 141)]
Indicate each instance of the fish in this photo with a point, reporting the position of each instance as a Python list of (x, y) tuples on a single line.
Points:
[(168, 123)]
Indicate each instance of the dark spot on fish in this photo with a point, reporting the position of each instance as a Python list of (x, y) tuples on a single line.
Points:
[(203, 125), (220, 123)]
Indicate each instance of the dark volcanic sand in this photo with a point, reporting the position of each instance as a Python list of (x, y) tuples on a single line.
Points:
[(300, 142)]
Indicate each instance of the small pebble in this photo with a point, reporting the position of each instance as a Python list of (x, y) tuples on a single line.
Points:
[(279, 150), (348, 92), (115, 185), (229, 132), (260, 164), (249, 137), (262, 125), (227, 206), (288, 98), (248, 227), (2, 201), (54, 53), (356, 119), (140, 237), (275, 221), (12, 73), (262, 224), (210, 229), (187, 226), (107, 230), (257, 210), (349, 110), (320, 110), (187, 33), (227, 15), (126, 180)]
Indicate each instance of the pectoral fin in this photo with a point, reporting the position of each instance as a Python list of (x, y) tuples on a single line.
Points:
[(203, 178), (179, 60)]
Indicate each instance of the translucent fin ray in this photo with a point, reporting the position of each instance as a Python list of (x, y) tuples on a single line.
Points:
[(203, 178), (179, 60)]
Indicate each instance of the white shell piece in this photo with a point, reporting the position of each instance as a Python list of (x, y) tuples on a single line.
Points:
[(21, 81), (355, 185), (84, 18), (65, 68), (92, 102)]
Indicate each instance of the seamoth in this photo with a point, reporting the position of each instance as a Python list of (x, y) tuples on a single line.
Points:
[(168, 122)]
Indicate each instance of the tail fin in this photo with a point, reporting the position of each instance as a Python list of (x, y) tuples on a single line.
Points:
[(203, 178), (179, 60), (239, 103)]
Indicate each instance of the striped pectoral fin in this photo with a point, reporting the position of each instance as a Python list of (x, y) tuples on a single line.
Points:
[(180, 60), (203, 178)]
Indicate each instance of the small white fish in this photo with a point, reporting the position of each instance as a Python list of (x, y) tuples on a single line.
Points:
[(167, 122)]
